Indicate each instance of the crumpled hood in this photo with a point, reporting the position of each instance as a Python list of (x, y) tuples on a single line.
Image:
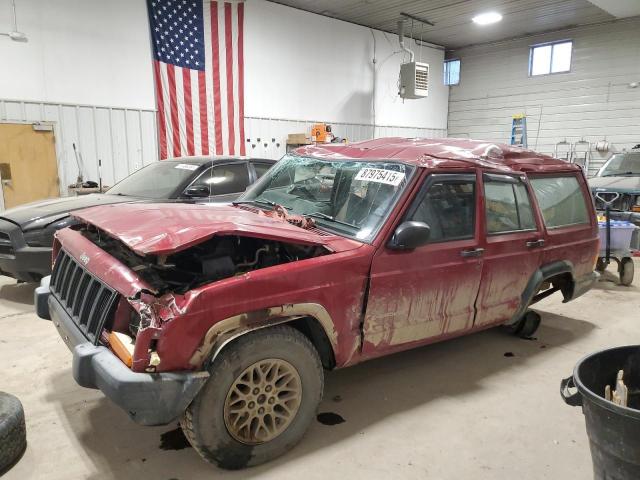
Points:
[(41, 213), (164, 228), (622, 184)]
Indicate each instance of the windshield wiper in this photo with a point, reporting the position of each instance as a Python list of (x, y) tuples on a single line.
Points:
[(324, 216), (259, 202)]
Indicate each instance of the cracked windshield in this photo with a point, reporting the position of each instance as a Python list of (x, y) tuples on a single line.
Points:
[(348, 197)]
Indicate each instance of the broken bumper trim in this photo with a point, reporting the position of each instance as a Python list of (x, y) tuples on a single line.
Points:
[(148, 398), (584, 284)]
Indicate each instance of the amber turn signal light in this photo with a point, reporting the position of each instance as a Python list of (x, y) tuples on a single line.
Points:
[(122, 345)]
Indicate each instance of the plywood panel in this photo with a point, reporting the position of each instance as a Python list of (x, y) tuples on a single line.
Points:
[(31, 157)]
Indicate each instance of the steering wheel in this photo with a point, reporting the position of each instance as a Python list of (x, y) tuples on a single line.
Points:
[(305, 187)]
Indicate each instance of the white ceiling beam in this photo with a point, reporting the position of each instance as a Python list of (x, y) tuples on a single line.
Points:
[(619, 8)]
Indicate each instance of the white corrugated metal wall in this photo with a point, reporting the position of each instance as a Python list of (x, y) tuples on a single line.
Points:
[(266, 137), (595, 101), (123, 139)]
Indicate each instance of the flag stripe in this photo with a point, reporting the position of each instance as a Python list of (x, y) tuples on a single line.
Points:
[(241, 76), (162, 126), (173, 105), (215, 49), (229, 58), (207, 85), (222, 66), (202, 104), (188, 109), (180, 107), (167, 111)]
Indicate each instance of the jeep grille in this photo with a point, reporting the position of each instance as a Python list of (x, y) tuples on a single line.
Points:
[(86, 299)]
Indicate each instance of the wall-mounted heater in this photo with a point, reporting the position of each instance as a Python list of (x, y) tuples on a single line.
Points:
[(414, 80), (414, 76)]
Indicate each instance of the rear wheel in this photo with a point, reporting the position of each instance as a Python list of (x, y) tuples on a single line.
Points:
[(531, 322), (626, 271), (262, 395), (526, 326)]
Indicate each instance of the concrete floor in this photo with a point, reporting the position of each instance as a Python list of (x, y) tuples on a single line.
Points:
[(456, 410)]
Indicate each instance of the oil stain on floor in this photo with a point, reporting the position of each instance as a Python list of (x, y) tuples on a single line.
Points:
[(329, 418)]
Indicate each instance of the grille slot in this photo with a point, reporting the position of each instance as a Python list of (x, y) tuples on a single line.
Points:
[(86, 299), (422, 78), (6, 247)]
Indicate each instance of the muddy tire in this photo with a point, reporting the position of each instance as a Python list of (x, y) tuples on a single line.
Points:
[(626, 271), (526, 326), (530, 323), (13, 434), (261, 397)]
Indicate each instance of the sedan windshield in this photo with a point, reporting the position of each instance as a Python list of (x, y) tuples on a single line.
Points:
[(621, 164), (350, 197), (156, 181)]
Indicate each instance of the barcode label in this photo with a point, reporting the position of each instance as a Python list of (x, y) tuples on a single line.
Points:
[(379, 175)]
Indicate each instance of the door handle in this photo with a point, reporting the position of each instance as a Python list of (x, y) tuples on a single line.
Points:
[(476, 252), (535, 243)]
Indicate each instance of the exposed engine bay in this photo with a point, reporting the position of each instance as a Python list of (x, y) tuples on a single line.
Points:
[(215, 259)]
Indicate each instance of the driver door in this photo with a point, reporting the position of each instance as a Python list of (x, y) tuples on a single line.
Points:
[(419, 295)]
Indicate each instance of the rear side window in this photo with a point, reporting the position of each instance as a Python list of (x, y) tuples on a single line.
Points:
[(449, 209), (561, 201), (261, 168), (224, 179), (508, 207)]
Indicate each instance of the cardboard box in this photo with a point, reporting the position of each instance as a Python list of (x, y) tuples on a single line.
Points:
[(298, 139)]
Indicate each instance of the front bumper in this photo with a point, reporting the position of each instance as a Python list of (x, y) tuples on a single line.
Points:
[(148, 398), (19, 260)]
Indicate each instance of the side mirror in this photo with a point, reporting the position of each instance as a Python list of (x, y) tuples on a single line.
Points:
[(197, 191), (410, 235)]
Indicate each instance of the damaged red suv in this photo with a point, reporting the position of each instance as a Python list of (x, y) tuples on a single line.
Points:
[(225, 316)]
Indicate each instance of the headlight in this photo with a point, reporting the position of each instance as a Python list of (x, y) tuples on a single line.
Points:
[(43, 237)]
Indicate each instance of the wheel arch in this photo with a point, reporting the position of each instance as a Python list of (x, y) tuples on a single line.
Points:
[(310, 319), (562, 271)]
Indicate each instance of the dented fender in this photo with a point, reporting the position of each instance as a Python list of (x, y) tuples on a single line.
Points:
[(231, 328)]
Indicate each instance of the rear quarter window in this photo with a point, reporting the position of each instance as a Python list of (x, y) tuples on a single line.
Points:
[(561, 200)]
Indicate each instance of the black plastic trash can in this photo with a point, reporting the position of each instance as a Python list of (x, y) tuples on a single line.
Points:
[(613, 430)]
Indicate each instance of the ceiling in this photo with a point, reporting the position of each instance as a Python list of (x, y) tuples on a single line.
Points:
[(453, 27)]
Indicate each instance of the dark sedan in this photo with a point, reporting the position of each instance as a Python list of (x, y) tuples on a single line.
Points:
[(26, 232)]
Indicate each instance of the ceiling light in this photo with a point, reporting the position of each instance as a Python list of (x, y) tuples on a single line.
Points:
[(487, 18)]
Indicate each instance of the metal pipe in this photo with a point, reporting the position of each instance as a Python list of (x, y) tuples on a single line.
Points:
[(401, 41), (15, 17), (417, 19)]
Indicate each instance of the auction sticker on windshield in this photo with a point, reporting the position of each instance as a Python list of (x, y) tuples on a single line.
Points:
[(380, 175), (186, 166)]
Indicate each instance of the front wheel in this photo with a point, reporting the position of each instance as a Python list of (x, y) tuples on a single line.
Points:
[(262, 395)]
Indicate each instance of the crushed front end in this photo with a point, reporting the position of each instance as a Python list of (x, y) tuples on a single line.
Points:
[(131, 318), (85, 310)]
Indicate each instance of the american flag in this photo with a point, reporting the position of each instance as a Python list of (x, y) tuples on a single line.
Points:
[(199, 76)]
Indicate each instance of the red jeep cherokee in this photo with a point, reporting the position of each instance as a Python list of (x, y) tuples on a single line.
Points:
[(225, 316)]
